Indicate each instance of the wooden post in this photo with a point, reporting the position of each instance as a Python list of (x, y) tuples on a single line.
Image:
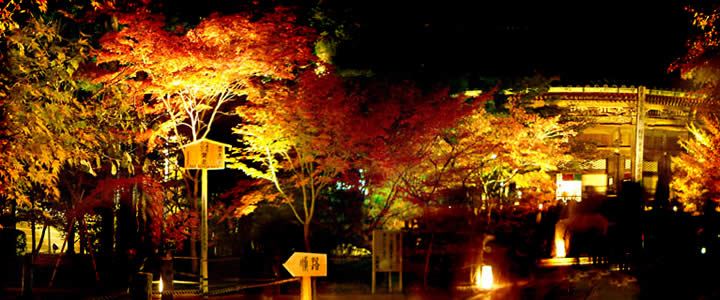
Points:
[(204, 236), (32, 225), (306, 288), (306, 265), (372, 289), (167, 276), (639, 135), (400, 252), (204, 154), (389, 282)]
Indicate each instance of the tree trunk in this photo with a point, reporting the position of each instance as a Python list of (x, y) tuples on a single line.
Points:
[(32, 226), (83, 238), (107, 224), (71, 240), (427, 260), (39, 245), (306, 235)]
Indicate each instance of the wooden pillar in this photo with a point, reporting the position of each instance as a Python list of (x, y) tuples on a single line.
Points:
[(400, 251), (204, 236), (639, 145), (167, 276), (306, 288), (372, 288)]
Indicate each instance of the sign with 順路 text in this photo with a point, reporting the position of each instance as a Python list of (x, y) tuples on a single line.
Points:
[(301, 264)]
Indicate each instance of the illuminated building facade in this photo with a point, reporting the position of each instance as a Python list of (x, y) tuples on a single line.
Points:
[(632, 134)]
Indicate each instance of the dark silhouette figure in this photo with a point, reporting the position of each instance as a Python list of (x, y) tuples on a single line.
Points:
[(625, 237), (662, 188)]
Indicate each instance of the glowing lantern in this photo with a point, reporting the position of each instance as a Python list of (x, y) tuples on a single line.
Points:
[(559, 247), (703, 250), (484, 278), (160, 285), (674, 208)]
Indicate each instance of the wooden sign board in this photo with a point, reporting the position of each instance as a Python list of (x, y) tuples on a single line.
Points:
[(387, 251), (302, 264), (205, 154)]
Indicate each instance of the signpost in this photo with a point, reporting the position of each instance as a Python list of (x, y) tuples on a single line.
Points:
[(206, 155), (386, 256), (306, 265)]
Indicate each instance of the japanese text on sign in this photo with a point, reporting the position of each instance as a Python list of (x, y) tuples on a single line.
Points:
[(307, 264)]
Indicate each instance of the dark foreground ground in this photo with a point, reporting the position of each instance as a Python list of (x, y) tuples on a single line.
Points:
[(567, 282)]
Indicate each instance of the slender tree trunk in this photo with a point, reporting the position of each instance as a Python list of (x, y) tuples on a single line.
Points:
[(83, 238), (39, 245), (306, 235), (71, 240), (107, 222), (32, 225), (427, 260)]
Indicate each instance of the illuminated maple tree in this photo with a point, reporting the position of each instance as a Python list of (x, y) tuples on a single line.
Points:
[(45, 124), (480, 153), (187, 77), (55, 122), (701, 64), (696, 176), (291, 139), (395, 127)]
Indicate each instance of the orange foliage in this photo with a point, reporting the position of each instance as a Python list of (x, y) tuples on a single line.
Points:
[(481, 154), (190, 75), (696, 177)]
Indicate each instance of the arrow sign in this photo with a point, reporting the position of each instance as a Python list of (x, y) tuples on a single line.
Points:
[(303, 264)]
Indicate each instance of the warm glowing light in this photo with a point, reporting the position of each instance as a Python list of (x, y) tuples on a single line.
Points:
[(559, 247), (484, 278), (160, 285), (516, 203), (703, 250), (493, 156), (674, 208), (568, 189), (540, 206), (473, 93)]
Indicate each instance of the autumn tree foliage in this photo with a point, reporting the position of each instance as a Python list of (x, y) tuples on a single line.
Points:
[(54, 123), (186, 78), (701, 64), (464, 151), (189, 75), (396, 125), (292, 139), (46, 125), (695, 177)]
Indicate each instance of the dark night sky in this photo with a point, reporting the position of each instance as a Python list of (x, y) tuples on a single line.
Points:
[(584, 42), (599, 42)]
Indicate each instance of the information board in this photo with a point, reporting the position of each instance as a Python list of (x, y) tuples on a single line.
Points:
[(205, 154)]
